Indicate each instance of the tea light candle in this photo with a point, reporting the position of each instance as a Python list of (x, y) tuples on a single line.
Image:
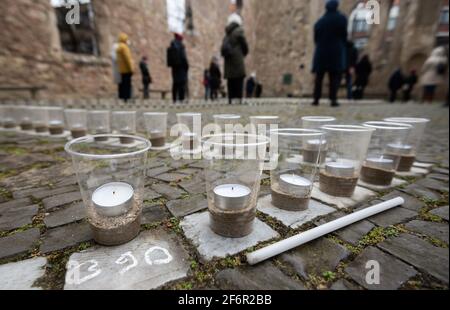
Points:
[(380, 163), (55, 123), (113, 199), (316, 145), (340, 169), (294, 184), (157, 134), (399, 149), (231, 196)]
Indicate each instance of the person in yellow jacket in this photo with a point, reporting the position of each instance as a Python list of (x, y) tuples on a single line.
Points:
[(125, 65)]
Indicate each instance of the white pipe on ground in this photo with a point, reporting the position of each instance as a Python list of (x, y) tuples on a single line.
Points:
[(307, 236)]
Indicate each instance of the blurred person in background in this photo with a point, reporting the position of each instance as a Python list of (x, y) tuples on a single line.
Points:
[(215, 78), (146, 77), (125, 65), (433, 74), (234, 50), (363, 70), (177, 60), (396, 82), (330, 56), (352, 59), (410, 83), (250, 86)]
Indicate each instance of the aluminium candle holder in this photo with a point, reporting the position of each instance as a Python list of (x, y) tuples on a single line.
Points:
[(10, 117), (99, 123), (124, 123), (292, 178), (76, 120), (408, 150), (156, 125), (56, 123), (380, 165), (40, 120), (233, 181), (111, 180), (347, 150)]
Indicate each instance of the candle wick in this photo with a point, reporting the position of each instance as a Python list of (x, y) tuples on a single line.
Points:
[(114, 192)]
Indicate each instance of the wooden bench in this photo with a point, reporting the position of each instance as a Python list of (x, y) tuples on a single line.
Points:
[(32, 89), (158, 91)]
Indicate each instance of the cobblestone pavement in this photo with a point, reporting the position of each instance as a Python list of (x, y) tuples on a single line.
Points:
[(42, 221)]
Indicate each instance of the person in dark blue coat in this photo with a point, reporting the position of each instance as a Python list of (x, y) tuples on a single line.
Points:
[(177, 60), (330, 37)]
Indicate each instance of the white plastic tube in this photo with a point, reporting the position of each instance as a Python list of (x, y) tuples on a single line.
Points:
[(307, 236)]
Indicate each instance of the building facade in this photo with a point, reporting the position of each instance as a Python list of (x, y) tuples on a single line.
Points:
[(38, 47)]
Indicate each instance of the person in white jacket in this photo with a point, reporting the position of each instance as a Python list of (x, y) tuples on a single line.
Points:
[(433, 74)]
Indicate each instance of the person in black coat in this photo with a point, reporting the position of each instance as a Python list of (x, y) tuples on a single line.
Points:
[(396, 82), (146, 77), (215, 78), (177, 60), (330, 37), (250, 86), (410, 82), (352, 59), (363, 70)]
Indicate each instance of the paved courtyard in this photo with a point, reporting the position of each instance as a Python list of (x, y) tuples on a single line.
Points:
[(45, 242)]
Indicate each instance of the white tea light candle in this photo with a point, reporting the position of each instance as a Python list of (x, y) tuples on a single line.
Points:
[(231, 196), (380, 163), (316, 145), (113, 199), (294, 184), (399, 149), (340, 169)]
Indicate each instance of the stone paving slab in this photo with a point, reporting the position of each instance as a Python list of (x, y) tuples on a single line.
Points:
[(436, 230), (152, 213), (210, 245), (421, 192), (54, 202), (170, 192), (351, 234), (183, 207), (54, 191), (395, 183), (393, 272), (433, 185), (171, 177), (415, 172), (22, 275), (65, 236), (294, 219), (411, 202), (261, 277), (157, 171), (439, 177), (361, 194), (423, 165), (150, 194), (344, 285), (441, 212), (23, 202), (194, 186), (394, 216), (18, 243), (16, 217), (419, 253), (72, 213), (440, 170), (151, 260), (315, 258)]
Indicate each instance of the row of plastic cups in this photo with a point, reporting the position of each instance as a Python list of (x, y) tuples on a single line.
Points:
[(233, 172)]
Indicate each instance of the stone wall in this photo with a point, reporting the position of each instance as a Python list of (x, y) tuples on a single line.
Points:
[(279, 33)]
